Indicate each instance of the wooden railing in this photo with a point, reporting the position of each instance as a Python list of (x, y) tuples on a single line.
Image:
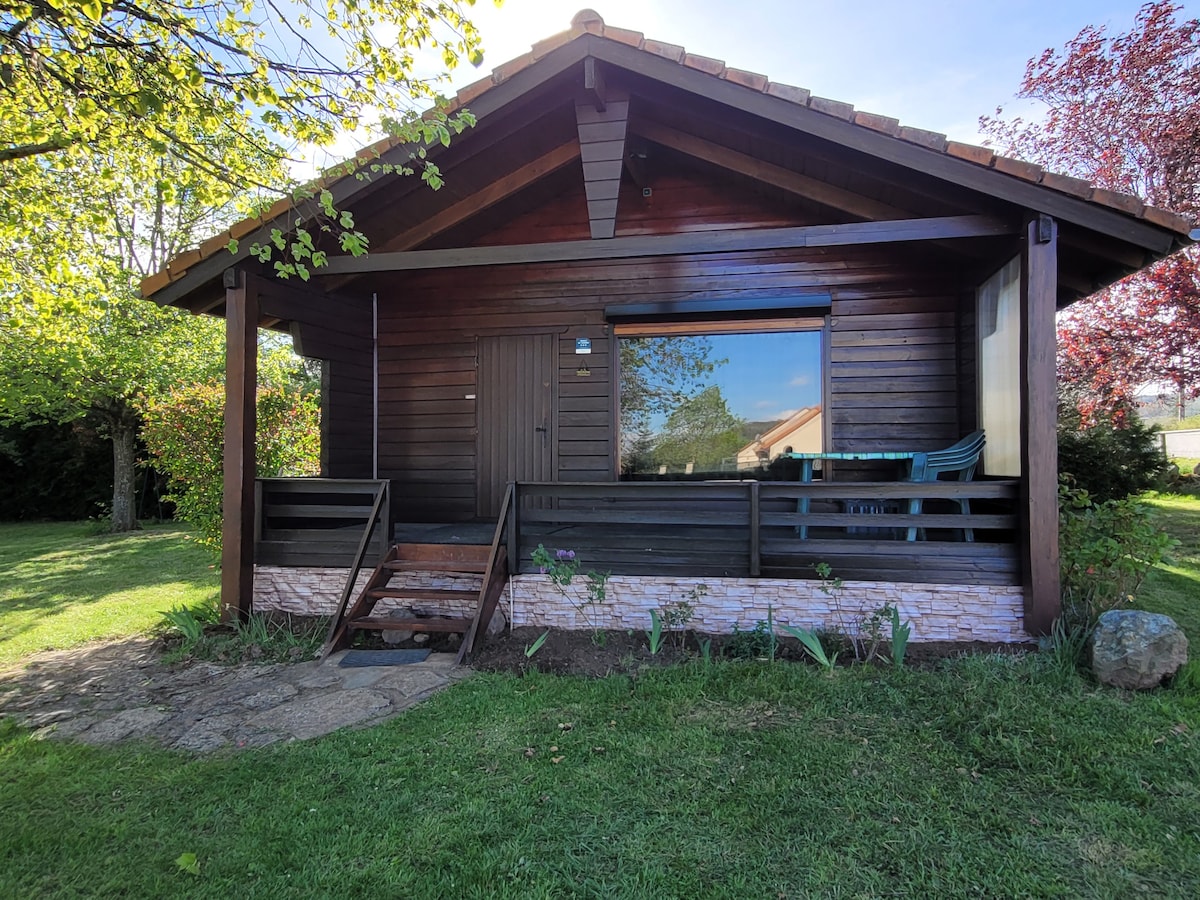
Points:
[(320, 521), (754, 528)]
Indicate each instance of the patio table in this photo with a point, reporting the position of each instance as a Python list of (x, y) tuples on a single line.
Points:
[(806, 461)]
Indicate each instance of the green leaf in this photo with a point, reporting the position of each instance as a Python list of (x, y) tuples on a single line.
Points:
[(188, 863)]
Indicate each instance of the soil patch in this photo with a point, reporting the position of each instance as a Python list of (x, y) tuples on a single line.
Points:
[(623, 652)]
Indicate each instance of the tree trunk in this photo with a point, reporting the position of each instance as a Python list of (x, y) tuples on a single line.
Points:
[(124, 505)]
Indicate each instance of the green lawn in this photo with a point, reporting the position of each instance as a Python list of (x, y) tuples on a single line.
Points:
[(61, 584), (1174, 588), (992, 777)]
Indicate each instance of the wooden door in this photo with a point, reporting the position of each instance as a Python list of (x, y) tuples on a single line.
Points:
[(515, 403)]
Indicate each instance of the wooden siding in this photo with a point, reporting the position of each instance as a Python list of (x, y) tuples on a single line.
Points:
[(893, 357)]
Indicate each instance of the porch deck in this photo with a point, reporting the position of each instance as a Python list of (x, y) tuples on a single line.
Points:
[(713, 528)]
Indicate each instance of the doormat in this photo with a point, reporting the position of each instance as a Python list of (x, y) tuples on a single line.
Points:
[(355, 659)]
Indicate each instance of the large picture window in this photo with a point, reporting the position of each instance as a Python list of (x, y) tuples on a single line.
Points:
[(718, 399)]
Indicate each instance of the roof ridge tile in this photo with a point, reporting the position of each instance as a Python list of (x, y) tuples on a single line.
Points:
[(835, 108)]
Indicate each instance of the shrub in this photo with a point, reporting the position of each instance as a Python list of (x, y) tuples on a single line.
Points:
[(184, 431), (1105, 551), (1108, 461)]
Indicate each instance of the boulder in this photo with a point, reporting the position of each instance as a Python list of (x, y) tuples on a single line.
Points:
[(1137, 650)]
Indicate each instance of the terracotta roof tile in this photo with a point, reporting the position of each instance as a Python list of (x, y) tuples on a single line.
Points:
[(1123, 202), (624, 35), (541, 48), (474, 90), (931, 139), (215, 243), (752, 80), (971, 153), (156, 282), (789, 92), (1077, 187), (875, 122), (832, 107), (1018, 167), (705, 64), (1166, 219), (183, 262), (239, 230), (588, 20), (278, 208), (673, 52), (507, 70)]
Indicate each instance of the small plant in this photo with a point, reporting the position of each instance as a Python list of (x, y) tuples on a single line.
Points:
[(1105, 551), (706, 650), (869, 637), (678, 615), (811, 643), (655, 634), (531, 649), (900, 635), (186, 622), (561, 566), (1067, 644), (752, 644)]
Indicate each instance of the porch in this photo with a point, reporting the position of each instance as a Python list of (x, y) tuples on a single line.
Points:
[(736, 529)]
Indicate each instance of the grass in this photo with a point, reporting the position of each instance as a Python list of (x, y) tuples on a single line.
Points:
[(1174, 588), (62, 584), (992, 778), (995, 776)]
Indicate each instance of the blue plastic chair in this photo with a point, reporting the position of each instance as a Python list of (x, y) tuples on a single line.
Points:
[(958, 460)]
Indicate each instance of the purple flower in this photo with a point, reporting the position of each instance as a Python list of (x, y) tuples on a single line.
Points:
[(542, 569), (566, 554)]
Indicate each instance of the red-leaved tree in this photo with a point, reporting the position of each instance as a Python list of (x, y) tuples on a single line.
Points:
[(1123, 111)]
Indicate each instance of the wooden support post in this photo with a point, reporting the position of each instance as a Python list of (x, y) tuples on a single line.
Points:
[(1038, 511), (241, 377), (755, 541), (514, 527)]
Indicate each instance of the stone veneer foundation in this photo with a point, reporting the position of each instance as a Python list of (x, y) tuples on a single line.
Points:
[(938, 612)]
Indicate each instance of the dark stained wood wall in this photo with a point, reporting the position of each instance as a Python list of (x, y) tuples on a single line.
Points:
[(893, 359)]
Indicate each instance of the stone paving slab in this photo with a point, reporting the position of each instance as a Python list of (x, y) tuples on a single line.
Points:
[(122, 691)]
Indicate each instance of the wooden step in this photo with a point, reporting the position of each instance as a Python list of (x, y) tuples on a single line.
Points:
[(461, 552), (451, 566), (423, 594), (388, 623)]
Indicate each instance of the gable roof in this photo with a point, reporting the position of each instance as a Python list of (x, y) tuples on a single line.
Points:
[(1116, 215), (773, 434)]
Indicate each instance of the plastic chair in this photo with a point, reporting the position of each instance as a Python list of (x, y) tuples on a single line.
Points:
[(959, 460)]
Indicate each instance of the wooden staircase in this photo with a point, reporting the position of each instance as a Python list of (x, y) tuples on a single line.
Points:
[(484, 568)]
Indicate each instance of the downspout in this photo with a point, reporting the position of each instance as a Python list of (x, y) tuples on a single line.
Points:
[(375, 386)]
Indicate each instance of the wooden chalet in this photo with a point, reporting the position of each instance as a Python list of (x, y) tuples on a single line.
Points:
[(617, 186)]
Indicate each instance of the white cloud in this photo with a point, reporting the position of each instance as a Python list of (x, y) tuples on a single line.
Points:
[(801, 381)]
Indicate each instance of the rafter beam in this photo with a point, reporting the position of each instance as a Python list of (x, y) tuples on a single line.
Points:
[(853, 233), (489, 196), (769, 174)]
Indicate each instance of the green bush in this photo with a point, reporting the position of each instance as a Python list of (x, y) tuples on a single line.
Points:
[(1105, 551), (184, 431), (1108, 460)]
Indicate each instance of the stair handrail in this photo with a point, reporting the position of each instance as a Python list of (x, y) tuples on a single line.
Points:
[(368, 533), (468, 644)]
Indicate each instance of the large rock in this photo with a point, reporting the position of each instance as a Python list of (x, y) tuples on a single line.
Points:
[(1136, 650)]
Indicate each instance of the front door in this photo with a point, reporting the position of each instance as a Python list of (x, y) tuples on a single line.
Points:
[(515, 403)]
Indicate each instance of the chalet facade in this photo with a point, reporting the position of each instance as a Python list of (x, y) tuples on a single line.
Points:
[(616, 189)]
